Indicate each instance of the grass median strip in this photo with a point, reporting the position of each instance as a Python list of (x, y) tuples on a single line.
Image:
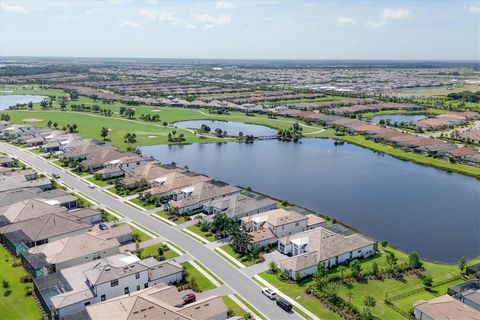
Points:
[(207, 235), (209, 272), (248, 305)]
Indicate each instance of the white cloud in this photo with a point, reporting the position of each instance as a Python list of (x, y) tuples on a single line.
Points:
[(224, 5), (209, 22), (375, 24), (395, 14), (13, 8), (129, 24), (310, 5), (346, 21), (165, 17), (268, 19), (474, 9), (148, 14)]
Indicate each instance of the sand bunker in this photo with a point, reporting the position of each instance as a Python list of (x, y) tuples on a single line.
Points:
[(31, 120)]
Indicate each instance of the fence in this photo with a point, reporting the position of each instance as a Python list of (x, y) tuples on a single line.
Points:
[(389, 300)]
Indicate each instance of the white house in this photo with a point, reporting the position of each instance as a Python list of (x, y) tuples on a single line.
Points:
[(72, 289), (322, 245)]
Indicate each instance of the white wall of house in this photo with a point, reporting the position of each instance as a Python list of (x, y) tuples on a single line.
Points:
[(420, 315), (265, 242), (290, 228)]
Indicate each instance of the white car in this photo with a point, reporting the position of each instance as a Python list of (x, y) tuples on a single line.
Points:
[(269, 293)]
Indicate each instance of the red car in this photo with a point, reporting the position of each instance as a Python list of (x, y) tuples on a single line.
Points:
[(189, 298)]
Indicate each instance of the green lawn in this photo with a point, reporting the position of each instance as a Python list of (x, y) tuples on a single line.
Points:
[(248, 305), (176, 219), (82, 200), (228, 249), (176, 247), (153, 251), (205, 235), (234, 307), (98, 182), (209, 272), (202, 281), (141, 235), (15, 305), (141, 204), (378, 289)]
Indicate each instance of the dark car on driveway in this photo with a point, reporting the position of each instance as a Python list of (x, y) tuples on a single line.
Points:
[(284, 304), (189, 298)]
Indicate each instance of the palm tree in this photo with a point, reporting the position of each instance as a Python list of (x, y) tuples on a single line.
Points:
[(221, 224)]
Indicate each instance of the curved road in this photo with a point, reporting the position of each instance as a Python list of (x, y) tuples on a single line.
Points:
[(230, 275)]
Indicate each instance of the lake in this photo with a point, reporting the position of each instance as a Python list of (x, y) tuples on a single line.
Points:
[(232, 128), (398, 117), (414, 207), (12, 99)]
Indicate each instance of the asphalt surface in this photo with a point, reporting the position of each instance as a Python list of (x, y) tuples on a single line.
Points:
[(230, 275)]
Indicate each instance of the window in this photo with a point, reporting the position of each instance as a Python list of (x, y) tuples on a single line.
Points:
[(137, 275), (103, 297), (127, 291), (297, 223), (145, 285), (114, 283), (87, 303), (138, 287)]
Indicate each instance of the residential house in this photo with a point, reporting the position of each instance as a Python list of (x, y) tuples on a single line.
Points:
[(268, 226), (149, 172), (171, 182), (22, 235), (161, 301), (19, 181), (72, 289), (241, 205), (13, 196), (444, 308), (6, 161), (27, 209), (330, 246), (467, 292), (70, 251), (193, 197)]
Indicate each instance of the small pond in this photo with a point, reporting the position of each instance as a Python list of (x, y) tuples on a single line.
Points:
[(12, 99), (398, 117), (232, 128)]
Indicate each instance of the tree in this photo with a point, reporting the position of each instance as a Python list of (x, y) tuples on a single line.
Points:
[(384, 243), (414, 261), (122, 110), (104, 133), (30, 105), (221, 224), (49, 123), (160, 251), (130, 113), (392, 261), (55, 125), (63, 103), (369, 301), (355, 268), (427, 281), (273, 267), (240, 240), (44, 104), (462, 264)]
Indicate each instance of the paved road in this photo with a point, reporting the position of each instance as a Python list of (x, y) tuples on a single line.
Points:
[(230, 275)]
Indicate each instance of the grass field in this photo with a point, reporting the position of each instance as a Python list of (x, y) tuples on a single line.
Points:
[(247, 262), (141, 204), (153, 251), (98, 182), (233, 306), (206, 235), (15, 305), (203, 283), (378, 289)]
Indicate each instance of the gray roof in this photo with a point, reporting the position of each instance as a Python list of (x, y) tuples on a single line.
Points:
[(238, 204), (13, 196)]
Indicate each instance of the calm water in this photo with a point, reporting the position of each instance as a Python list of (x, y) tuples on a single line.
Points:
[(412, 206), (232, 128), (12, 99), (398, 117)]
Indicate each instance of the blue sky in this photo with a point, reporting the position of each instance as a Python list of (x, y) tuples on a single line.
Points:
[(439, 30)]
